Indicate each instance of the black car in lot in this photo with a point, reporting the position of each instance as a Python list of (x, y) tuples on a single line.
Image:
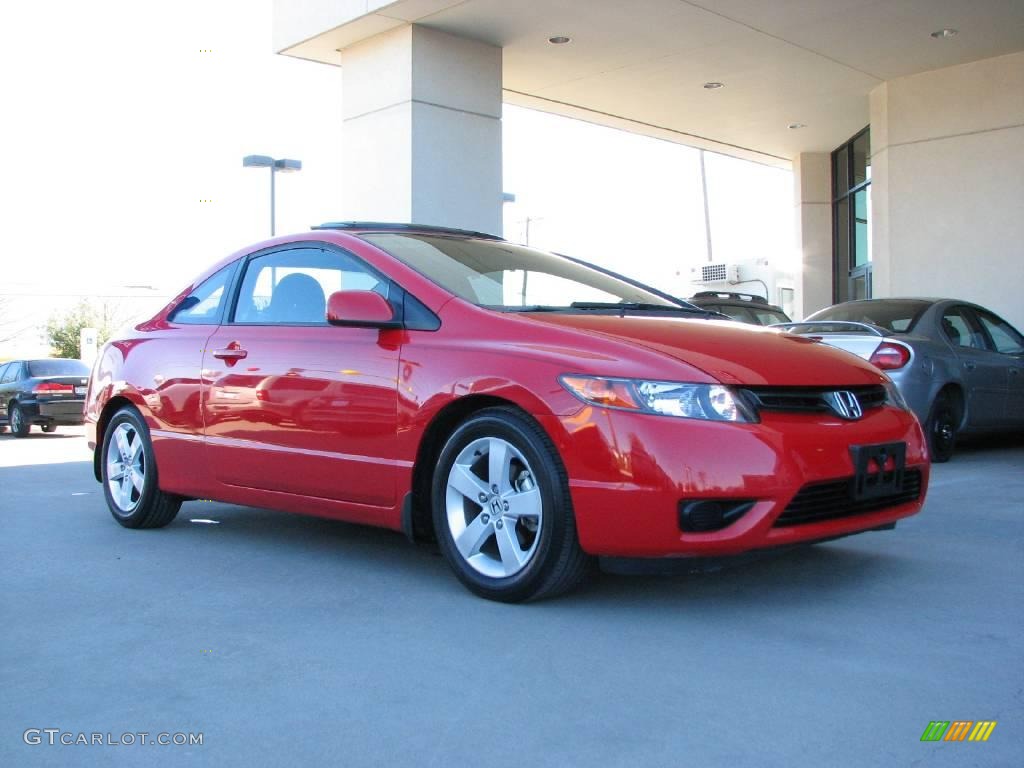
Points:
[(745, 307), (49, 392)]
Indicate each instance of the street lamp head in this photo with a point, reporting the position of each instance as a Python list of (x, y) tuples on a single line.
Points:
[(257, 161), (286, 166)]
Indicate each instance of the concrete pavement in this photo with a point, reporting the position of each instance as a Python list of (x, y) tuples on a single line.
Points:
[(292, 641)]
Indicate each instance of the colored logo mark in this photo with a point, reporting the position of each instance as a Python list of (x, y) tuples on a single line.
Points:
[(958, 730)]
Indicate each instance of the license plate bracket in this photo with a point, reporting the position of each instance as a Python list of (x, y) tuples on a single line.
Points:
[(878, 470)]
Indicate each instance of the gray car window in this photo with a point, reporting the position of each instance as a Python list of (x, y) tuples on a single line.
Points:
[(961, 331), (1003, 335)]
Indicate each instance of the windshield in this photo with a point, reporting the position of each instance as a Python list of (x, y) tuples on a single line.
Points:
[(896, 316), (63, 367), (503, 276)]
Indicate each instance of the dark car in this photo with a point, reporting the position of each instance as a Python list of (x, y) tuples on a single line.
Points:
[(745, 307), (959, 366), (525, 411), (48, 392)]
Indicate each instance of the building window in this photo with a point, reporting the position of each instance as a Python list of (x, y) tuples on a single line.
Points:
[(851, 219)]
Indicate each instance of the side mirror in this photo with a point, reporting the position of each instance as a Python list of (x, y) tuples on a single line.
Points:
[(361, 309)]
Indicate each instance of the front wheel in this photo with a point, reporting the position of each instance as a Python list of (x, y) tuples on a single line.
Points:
[(502, 512), (129, 474), (942, 428)]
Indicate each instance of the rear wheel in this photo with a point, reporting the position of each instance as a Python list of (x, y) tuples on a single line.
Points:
[(942, 428), (129, 475), (19, 424), (502, 512), (49, 428)]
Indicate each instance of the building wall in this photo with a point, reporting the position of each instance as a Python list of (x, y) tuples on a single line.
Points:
[(812, 193), (948, 184)]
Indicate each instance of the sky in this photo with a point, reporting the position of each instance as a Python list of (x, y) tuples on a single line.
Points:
[(124, 125)]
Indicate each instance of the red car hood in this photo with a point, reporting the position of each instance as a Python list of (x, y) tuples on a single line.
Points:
[(731, 352)]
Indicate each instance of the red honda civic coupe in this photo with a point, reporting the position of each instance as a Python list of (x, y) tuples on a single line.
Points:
[(527, 411)]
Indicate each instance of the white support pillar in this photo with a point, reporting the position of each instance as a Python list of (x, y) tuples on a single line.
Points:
[(812, 185), (422, 130)]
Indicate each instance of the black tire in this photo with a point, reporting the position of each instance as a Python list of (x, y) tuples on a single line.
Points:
[(942, 426), (48, 428), (556, 563), (146, 508), (19, 424)]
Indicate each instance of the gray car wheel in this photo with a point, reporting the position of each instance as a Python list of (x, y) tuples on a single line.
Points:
[(941, 429)]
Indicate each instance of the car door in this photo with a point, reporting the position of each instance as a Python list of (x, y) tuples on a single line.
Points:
[(295, 405), (984, 372), (1008, 343)]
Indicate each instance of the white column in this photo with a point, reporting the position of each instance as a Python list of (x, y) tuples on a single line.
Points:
[(812, 186), (422, 130)]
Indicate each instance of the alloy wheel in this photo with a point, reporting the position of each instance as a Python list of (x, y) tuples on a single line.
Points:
[(126, 467), (493, 507)]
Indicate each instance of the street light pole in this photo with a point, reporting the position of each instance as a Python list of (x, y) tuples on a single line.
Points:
[(273, 210), (284, 165)]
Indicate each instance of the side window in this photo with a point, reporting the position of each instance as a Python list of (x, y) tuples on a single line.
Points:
[(3, 371), (291, 287), (961, 329), (203, 305), (13, 373), (1004, 336)]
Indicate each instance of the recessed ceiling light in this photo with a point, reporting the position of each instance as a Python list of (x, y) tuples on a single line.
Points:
[(713, 85), (559, 40), (943, 34), (796, 126)]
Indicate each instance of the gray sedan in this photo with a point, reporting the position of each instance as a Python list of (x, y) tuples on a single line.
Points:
[(959, 366)]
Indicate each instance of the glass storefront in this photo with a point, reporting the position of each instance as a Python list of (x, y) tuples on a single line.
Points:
[(851, 219)]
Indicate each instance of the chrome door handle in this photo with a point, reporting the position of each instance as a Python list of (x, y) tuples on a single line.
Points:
[(970, 366), (230, 353)]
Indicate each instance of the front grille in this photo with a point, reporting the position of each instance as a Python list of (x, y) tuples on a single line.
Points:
[(811, 399), (834, 499)]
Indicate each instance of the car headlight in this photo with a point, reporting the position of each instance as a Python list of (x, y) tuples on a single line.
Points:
[(712, 402), (894, 397)]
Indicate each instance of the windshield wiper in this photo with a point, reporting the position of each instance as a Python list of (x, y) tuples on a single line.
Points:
[(639, 306), (525, 308)]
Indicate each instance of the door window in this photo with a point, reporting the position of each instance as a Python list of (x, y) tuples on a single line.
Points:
[(961, 329), (291, 287), (203, 305), (13, 373), (1004, 336)]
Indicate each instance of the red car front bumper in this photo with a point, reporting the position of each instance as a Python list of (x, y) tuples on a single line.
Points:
[(630, 472)]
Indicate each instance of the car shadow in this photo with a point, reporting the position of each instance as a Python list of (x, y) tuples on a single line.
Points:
[(987, 444), (796, 576)]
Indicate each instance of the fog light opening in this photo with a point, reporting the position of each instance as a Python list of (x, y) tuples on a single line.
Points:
[(704, 515)]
